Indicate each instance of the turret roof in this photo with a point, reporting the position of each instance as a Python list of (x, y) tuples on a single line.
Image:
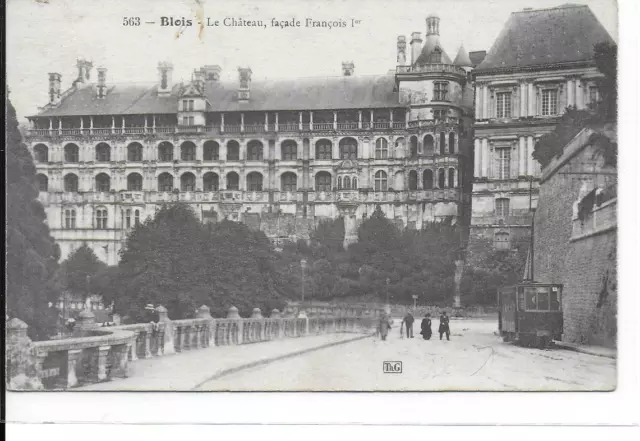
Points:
[(462, 59)]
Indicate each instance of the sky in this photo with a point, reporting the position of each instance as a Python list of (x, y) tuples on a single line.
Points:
[(50, 35)]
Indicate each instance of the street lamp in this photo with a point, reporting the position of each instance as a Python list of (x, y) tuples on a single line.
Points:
[(303, 264)]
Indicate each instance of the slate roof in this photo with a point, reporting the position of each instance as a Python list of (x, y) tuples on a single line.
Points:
[(325, 93), (429, 46), (564, 34), (477, 57), (462, 59)]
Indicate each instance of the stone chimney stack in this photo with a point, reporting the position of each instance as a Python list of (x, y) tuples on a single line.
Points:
[(348, 68), (245, 83), (416, 46), (211, 73), (165, 71), (433, 25), (198, 79), (55, 82), (101, 89), (402, 50), (84, 71)]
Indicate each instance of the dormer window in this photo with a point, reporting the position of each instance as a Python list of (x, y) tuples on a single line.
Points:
[(436, 56)]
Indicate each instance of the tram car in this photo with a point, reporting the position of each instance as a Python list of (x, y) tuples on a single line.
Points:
[(530, 313)]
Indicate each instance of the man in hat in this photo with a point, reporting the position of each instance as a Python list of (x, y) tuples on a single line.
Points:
[(444, 325), (151, 315)]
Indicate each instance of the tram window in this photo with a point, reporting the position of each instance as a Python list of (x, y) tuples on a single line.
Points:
[(543, 301), (531, 300), (555, 300)]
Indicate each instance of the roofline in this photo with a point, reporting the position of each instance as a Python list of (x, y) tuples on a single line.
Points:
[(552, 8), (532, 67)]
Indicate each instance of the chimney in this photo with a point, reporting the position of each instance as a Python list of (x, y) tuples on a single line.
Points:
[(165, 69), (211, 73), (55, 80), (433, 25), (402, 50), (101, 89), (245, 83), (416, 46), (198, 79), (84, 71), (348, 68)]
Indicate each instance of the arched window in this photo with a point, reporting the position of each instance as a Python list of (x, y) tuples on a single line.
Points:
[(210, 181), (323, 149), (443, 145), (165, 182), (188, 151), (71, 153), (289, 150), (103, 152), (348, 148), (103, 182), (134, 152), (41, 153), (427, 179), (188, 182), (452, 175), (413, 180), (452, 142), (165, 151), (380, 180), (289, 181), (399, 148), (43, 182), (428, 145), (339, 182), (254, 151), (254, 181), (233, 151), (347, 183), (354, 183), (71, 183), (382, 148), (414, 147), (233, 181), (137, 217), (323, 181), (441, 178), (211, 151), (134, 182), (501, 241), (128, 218), (101, 218), (69, 218)]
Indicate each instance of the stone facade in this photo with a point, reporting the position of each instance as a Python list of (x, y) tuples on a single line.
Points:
[(522, 87), (575, 240), (280, 157)]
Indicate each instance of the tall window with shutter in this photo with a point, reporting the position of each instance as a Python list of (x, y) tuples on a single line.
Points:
[(503, 104), (503, 163), (549, 102)]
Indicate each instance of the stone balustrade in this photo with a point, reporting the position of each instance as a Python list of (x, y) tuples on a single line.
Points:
[(97, 354)]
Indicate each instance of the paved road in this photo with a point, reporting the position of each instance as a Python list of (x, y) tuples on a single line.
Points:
[(474, 359)]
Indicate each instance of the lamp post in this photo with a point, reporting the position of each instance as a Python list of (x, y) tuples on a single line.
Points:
[(303, 264)]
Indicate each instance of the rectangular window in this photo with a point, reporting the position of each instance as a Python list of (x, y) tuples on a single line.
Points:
[(440, 91), (593, 96), (503, 104), (549, 102), (187, 121), (502, 207), (503, 163), (439, 115), (187, 105)]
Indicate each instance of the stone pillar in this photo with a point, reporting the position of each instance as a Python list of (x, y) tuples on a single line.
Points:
[(579, 94), (486, 160), (232, 313), (222, 123), (300, 121), (133, 354), (276, 126), (310, 120), (335, 120), (530, 168), (305, 327), (23, 370), (531, 101), (99, 364), (163, 318), (147, 342), (73, 355), (86, 322), (266, 121), (570, 92), (478, 91), (522, 157), (523, 99), (336, 149), (485, 102), (359, 119), (477, 158)]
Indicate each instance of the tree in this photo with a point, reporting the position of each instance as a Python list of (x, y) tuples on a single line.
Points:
[(78, 272), (32, 253), (552, 144), (606, 59)]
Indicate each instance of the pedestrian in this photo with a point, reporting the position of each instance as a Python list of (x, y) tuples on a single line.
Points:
[(444, 325), (151, 316), (408, 322), (425, 327), (384, 325)]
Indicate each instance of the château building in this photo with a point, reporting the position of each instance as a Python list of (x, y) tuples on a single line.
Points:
[(278, 155), (540, 64)]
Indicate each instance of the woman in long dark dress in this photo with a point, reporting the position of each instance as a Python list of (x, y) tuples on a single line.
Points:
[(425, 327)]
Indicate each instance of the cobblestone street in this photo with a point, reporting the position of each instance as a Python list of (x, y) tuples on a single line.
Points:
[(474, 359)]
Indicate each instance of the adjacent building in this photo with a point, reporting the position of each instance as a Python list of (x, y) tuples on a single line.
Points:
[(279, 155), (540, 64)]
